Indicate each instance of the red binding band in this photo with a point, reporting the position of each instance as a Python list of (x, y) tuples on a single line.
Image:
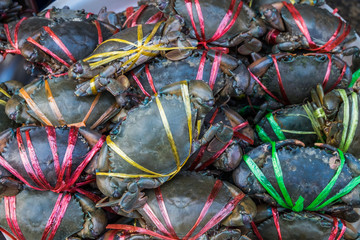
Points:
[(271, 36), (98, 28), (10, 214), (150, 79), (64, 180), (155, 18), (139, 84), (225, 211), (15, 43), (333, 42), (89, 15), (47, 14), (275, 214), (256, 231), (281, 86)]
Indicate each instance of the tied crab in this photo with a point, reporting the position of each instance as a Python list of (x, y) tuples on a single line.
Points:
[(289, 167), (124, 171), (272, 223), (53, 44), (214, 210), (51, 102), (56, 164), (288, 78), (303, 26), (7, 89), (238, 23), (53, 216), (105, 67)]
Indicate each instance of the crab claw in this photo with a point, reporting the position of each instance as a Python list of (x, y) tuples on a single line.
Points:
[(272, 17)]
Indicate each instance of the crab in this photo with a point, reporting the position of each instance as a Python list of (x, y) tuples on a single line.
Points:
[(291, 122), (124, 171), (51, 102), (54, 43), (81, 219), (336, 114), (239, 23), (105, 67), (302, 225), (306, 27), (301, 190), (288, 78), (66, 13), (9, 10), (51, 158), (144, 14), (225, 150), (184, 205)]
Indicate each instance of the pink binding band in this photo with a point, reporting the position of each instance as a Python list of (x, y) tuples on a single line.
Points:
[(65, 180)]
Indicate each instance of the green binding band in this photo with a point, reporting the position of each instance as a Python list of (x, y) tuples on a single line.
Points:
[(319, 113), (345, 99), (275, 126), (355, 77), (314, 122), (354, 122), (262, 134), (277, 129), (298, 207)]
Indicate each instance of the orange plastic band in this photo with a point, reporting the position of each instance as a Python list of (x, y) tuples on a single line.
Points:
[(54, 107)]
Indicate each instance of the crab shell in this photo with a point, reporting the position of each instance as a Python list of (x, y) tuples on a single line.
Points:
[(306, 172), (73, 109), (145, 15), (184, 197), (38, 135), (28, 28), (215, 11), (321, 24), (293, 118), (162, 71), (65, 13), (299, 74), (79, 37), (303, 225), (151, 150), (33, 209)]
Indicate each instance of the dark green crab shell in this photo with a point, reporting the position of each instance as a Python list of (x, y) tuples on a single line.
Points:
[(33, 209), (143, 138), (321, 24), (306, 171), (302, 73), (303, 225), (214, 11), (184, 197), (72, 108)]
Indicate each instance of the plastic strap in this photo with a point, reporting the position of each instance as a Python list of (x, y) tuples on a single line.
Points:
[(275, 126), (150, 79), (58, 42), (92, 85), (164, 213), (92, 107), (346, 119), (328, 71), (54, 107), (355, 77), (141, 48), (51, 135), (139, 84), (275, 214), (151, 174), (4, 92), (256, 231), (98, 28), (155, 18), (281, 86), (10, 214), (314, 206), (14, 44)]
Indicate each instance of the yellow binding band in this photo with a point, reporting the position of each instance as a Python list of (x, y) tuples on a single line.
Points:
[(92, 85), (141, 48), (4, 92), (2, 102), (151, 174)]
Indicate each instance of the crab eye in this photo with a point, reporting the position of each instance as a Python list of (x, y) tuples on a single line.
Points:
[(288, 59), (321, 58)]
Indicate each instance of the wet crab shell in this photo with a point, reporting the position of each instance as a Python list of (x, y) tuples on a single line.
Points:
[(299, 74), (38, 135), (72, 108), (294, 123), (321, 24), (152, 149), (257, 3), (215, 11), (33, 209), (65, 13), (303, 225), (299, 166)]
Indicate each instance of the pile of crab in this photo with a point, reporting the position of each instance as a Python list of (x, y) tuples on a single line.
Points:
[(181, 119)]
